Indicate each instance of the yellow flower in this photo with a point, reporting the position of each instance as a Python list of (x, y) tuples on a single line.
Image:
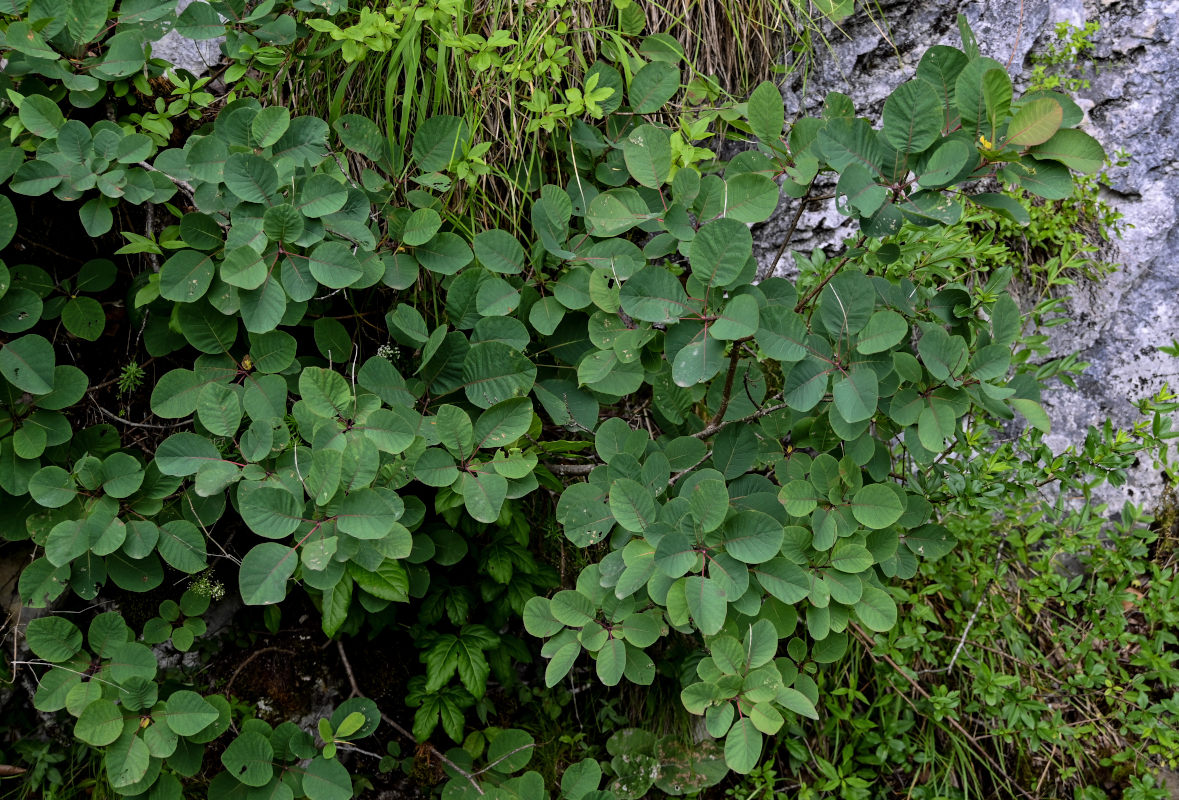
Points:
[(986, 144)]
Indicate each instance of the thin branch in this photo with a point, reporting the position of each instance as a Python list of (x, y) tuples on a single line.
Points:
[(675, 478), (113, 381), (348, 669), (250, 658), (970, 623), (715, 427), (790, 232), (868, 644), (117, 418), (398, 727), (734, 357), (504, 756), (182, 184), (811, 294), (570, 469)]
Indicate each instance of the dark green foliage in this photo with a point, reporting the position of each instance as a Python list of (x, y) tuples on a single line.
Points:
[(762, 459)]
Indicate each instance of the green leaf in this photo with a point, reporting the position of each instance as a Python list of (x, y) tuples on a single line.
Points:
[(856, 394), (1007, 206), (885, 330), (654, 295), (652, 86), (8, 222), (283, 223), (1035, 122), (205, 328), (538, 619), (647, 153), (132, 660), (847, 140), (389, 581), (851, 558), (199, 21), (945, 356), (930, 541), (632, 504), (84, 317), (54, 639), (698, 362), (28, 364), (128, 758), (187, 713), (263, 575), (184, 453), (743, 746), (611, 662), (250, 177), (503, 423), (708, 501), (499, 251), (1033, 412), (1048, 179), (719, 252), (85, 18), (940, 67), (219, 409), (269, 126), (182, 545), (805, 385), (325, 392), (361, 135), (766, 113), (572, 608), (327, 779), (707, 603), (949, 161), (752, 537), (584, 514), (846, 304), (365, 514), (858, 193), (912, 117), (494, 372), (186, 276), (738, 320), (786, 581), (41, 116), (876, 506), (611, 213), (983, 94), (580, 779), (496, 297), (249, 759), (270, 511), (99, 724), (751, 197), (421, 227), (334, 265), (796, 701), (877, 610), (321, 195), (52, 487), (782, 334), (439, 141), (1075, 149)]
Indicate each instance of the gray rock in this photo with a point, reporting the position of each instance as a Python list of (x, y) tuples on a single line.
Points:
[(1116, 324), (189, 54)]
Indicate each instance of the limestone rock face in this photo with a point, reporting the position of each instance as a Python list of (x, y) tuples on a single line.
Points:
[(1117, 324), (180, 51)]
